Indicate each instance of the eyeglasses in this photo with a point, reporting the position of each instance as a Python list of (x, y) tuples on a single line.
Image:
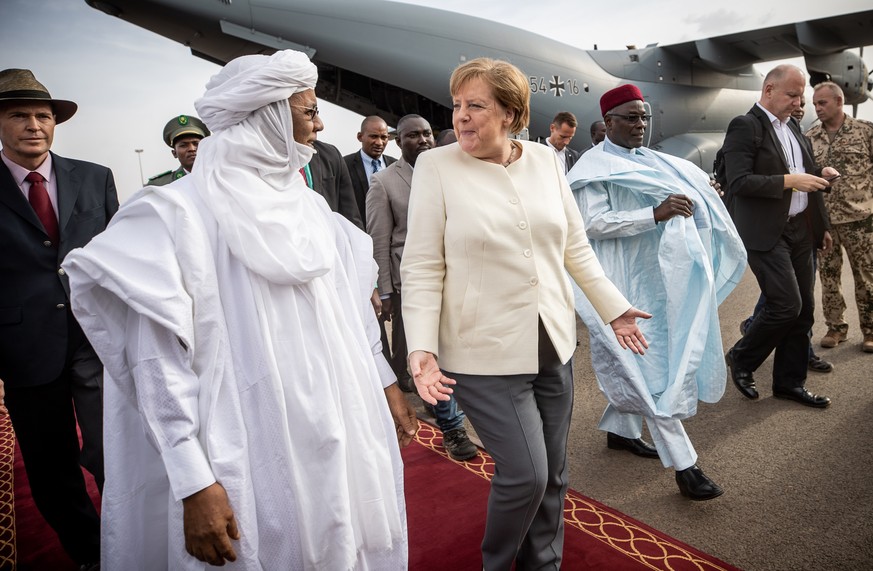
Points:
[(310, 112), (632, 119)]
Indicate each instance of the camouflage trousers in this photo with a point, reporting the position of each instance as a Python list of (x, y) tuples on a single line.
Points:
[(857, 239)]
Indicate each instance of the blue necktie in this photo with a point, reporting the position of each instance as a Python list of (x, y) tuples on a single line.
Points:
[(376, 165)]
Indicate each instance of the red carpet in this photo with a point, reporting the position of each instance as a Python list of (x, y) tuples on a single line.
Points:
[(446, 502), (35, 543), (7, 506)]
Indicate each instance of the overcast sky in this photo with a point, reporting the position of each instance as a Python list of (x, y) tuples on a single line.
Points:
[(129, 82)]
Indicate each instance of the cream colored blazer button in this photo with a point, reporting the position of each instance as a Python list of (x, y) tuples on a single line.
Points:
[(534, 281), (522, 224), (513, 201), (527, 253), (60, 306), (47, 243), (61, 272)]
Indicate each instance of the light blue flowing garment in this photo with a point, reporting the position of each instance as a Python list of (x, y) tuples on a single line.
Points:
[(679, 271)]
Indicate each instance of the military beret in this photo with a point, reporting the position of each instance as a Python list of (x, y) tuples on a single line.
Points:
[(621, 94), (184, 125)]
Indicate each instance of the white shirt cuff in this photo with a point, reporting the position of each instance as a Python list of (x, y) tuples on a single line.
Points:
[(187, 468)]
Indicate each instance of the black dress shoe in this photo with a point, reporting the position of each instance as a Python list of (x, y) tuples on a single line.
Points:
[(803, 396), (694, 484), (819, 365), (636, 446), (743, 380)]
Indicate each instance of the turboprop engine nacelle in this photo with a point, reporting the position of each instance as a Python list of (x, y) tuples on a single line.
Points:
[(846, 69)]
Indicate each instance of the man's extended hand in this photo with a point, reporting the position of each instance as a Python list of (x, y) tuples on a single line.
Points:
[(403, 414), (210, 525), (628, 333), (429, 380)]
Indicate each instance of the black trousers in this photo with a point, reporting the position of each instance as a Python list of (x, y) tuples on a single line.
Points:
[(44, 418), (396, 354), (786, 277)]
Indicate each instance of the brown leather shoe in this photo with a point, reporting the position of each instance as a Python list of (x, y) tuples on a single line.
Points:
[(867, 345), (832, 338)]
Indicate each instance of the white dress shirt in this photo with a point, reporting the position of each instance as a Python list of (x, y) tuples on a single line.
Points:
[(368, 164), (793, 156), (45, 169)]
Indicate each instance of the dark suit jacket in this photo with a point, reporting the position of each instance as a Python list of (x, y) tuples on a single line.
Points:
[(572, 156), (36, 324), (331, 179), (755, 176), (359, 180)]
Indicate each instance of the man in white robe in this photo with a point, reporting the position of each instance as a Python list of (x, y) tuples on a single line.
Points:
[(245, 417), (666, 241)]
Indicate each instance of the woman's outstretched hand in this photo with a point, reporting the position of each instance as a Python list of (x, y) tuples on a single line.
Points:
[(628, 333), (432, 385)]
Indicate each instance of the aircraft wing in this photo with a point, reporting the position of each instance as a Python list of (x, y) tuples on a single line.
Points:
[(824, 36)]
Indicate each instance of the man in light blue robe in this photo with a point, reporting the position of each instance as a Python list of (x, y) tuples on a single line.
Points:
[(666, 241)]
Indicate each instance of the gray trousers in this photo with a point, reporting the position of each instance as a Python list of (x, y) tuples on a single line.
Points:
[(523, 421)]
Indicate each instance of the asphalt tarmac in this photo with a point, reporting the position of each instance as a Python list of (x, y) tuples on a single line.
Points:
[(798, 481)]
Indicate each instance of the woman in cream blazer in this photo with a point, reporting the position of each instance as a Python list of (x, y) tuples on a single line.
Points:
[(493, 231)]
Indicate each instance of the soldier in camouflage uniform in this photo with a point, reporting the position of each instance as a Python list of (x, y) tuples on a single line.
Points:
[(182, 134), (846, 144)]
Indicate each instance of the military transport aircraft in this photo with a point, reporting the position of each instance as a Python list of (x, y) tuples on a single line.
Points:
[(693, 88)]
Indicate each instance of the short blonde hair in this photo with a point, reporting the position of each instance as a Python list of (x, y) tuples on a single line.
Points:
[(836, 90), (509, 86)]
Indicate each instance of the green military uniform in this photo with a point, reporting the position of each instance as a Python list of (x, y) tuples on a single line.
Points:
[(167, 177), (850, 207), (179, 126)]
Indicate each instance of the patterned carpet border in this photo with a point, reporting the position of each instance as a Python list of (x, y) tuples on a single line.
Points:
[(620, 532), (7, 505), (655, 551)]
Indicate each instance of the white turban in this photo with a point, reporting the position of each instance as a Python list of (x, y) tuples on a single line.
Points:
[(251, 82), (248, 170)]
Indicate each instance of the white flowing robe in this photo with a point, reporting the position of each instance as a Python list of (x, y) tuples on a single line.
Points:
[(679, 271), (215, 374)]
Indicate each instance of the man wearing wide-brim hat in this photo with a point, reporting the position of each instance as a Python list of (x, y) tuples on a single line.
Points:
[(49, 205), (182, 134)]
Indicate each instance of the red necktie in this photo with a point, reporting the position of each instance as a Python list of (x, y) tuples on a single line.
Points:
[(39, 200)]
